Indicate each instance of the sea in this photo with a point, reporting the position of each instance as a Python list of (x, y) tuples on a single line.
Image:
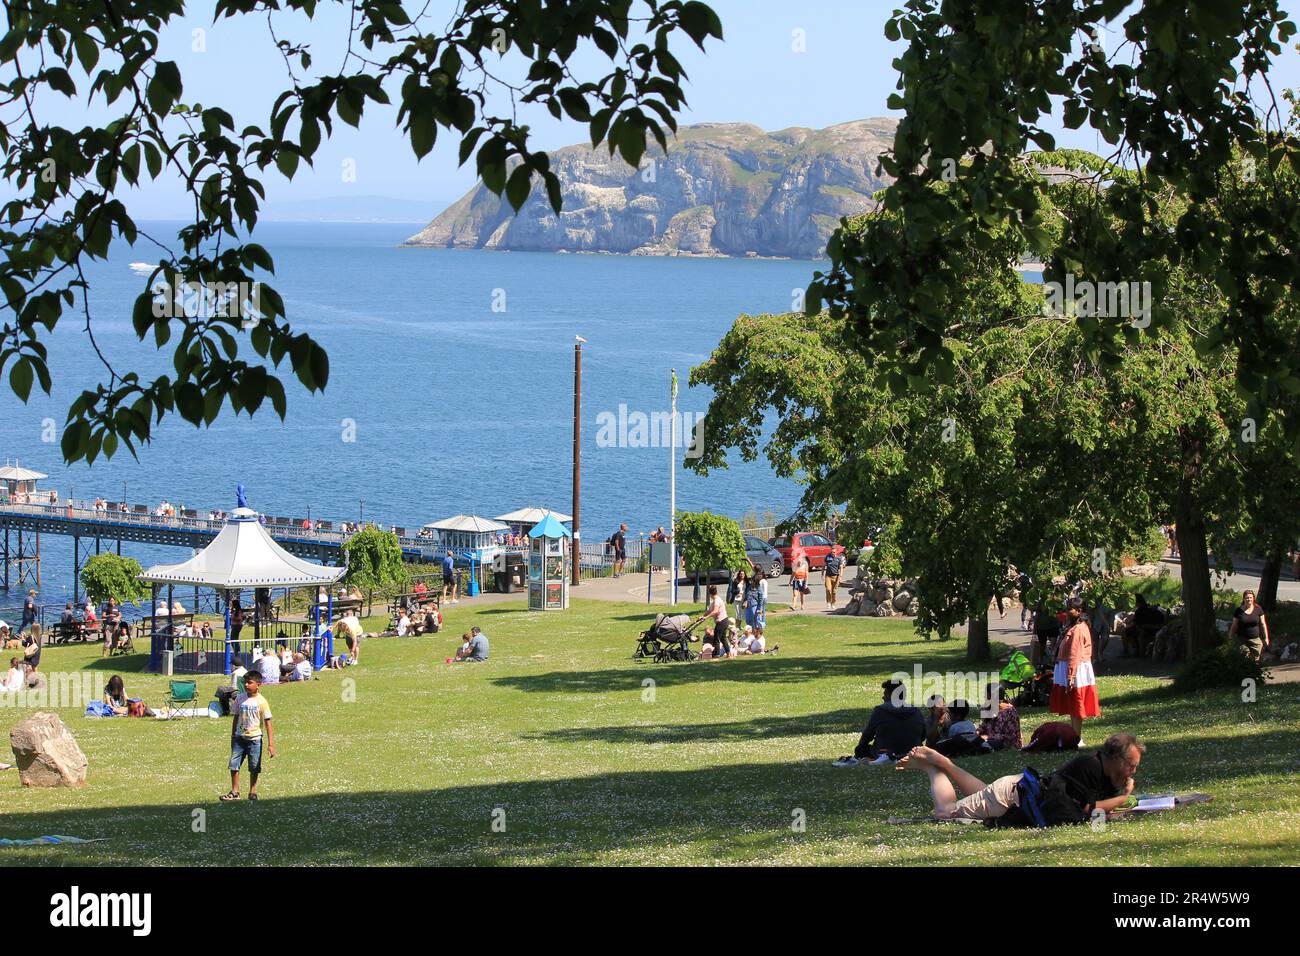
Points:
[(450, 391)]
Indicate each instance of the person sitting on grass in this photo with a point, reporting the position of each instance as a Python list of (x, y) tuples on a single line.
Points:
[(116, 699), (16, 679), (475, 649), (893, 730), (299, 669), (432, 619), (252, 713), (267, 667), (1093, 783), (1002, 731), (403, 623), (937, 719), (961, 738)]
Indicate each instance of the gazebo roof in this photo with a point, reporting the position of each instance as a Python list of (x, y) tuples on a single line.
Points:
[(532, 515), (550, 527), (243, 555), (471, 523), (14, 473)]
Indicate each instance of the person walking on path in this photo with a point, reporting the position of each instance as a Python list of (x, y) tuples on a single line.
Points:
[(449, 582), (798, 581), (29, 611), (1074, 683), (831, 577), (736, 589), (1249, 627), (618, 541)]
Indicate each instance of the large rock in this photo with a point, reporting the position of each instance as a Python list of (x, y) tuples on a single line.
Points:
[(46, 753), (722, 189), (902, 600)]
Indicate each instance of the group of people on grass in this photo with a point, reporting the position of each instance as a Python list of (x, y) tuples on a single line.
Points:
[(723, 638), (930, 739)]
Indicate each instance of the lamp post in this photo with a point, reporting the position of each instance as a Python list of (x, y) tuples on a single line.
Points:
[(577, 458)]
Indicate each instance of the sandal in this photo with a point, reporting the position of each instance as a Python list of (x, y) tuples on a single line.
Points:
[(227, 797), (252, 796)]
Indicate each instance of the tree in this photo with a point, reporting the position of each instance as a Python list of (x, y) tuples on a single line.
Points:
[(374, 560), (207, 289), (707, 541), (1034, 448), (110, 575), (1176, 101)]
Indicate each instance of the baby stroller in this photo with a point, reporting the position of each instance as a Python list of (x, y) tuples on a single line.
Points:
[(668, 639), (1027, 685)]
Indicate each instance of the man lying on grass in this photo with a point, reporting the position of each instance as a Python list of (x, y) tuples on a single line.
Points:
[(1095, 783)]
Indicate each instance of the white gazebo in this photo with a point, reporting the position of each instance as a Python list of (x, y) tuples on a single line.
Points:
[(242, 556), (521, 519), (472, 539)]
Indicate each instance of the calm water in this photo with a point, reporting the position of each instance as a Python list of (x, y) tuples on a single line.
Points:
[(456, 408)]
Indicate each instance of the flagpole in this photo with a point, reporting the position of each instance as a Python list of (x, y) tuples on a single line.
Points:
[(672, 496)]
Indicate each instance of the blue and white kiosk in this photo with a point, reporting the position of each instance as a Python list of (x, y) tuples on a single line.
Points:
[(548, 565)]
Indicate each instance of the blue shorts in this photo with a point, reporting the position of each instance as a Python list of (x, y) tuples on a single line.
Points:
[(241, 747)]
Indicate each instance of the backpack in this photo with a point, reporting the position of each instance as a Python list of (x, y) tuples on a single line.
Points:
[(1044, 802)]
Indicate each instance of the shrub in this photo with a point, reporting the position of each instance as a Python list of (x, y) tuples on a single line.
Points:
[(1222, 666)]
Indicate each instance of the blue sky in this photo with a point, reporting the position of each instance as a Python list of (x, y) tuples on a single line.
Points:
[(757, 75)]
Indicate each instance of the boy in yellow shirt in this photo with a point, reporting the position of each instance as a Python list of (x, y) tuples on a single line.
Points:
[(251, 713)]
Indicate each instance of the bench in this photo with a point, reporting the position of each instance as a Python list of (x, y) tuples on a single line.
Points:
[(145, 624), (78, 631)]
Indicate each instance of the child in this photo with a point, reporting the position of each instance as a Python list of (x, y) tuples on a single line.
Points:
[(251, 712)]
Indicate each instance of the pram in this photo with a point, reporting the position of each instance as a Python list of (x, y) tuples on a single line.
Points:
[(668, 639), (1031, 686)]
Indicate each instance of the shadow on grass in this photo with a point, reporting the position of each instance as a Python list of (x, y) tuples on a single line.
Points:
[(645, 815), (848, 721), (768, 669)]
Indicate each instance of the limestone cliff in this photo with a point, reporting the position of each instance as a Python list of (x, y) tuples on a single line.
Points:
[(723, 189)]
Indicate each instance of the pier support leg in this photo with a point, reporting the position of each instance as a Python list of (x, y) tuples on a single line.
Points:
[(76, 570)]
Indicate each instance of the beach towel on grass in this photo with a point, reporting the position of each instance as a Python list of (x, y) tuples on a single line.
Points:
[(38, 841), (97, 708)]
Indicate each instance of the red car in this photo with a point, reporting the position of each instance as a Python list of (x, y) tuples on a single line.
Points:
[(814, 546)]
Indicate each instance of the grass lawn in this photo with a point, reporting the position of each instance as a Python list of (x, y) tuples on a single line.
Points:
[(405, 759)]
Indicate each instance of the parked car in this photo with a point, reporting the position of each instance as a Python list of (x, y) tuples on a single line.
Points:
[(763, 556), (814, 546)]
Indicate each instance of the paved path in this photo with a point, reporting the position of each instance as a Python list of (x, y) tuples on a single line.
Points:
[(632, 587)]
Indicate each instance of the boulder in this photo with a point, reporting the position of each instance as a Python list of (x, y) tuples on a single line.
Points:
[(914, 608), (884, 610), (901, 601), (46, 753)]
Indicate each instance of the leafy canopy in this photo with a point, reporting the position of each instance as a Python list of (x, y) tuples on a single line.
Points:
[(708, 541), (1177, 89), (208, 290), (374, 559), (110, 575)]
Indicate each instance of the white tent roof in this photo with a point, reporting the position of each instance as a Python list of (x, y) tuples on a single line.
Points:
[(243, 555), (471, 523), (14, 473), (532, 516)]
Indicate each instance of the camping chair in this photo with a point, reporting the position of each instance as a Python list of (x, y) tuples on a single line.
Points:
[(182, 693)]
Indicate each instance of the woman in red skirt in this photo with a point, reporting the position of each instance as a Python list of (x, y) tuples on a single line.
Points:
[(1074, 683)]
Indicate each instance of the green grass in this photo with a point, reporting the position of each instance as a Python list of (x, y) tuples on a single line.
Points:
[(556, 730)]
